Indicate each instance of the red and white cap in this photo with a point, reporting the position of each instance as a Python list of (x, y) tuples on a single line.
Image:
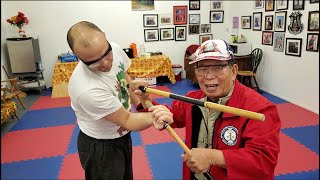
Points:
[(213, 49)]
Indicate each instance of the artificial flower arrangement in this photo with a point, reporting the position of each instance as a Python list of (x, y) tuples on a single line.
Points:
[(18, 20)]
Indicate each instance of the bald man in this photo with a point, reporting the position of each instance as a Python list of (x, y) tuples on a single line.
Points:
[(102, 104)]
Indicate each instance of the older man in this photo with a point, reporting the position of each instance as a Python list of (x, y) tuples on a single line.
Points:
[(226, 145)]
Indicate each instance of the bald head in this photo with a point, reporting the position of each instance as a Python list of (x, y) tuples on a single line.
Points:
[(82, 34)]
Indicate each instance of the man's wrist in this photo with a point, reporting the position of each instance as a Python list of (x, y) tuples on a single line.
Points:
[(217, 158)]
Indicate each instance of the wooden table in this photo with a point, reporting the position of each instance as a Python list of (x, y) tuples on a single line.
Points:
[(153, 66), (60, 79)]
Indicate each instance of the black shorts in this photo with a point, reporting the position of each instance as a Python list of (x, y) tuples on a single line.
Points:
[(104, 159)]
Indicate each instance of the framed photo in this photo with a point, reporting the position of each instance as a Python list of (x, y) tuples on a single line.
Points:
[(280, 21), (205, 28), (258, 4), (194, 29), (181, 33), (313, 21), (204, 37), (150, 20), (216, 5), (180, 15), (151, 35), (278, 44), (194, 18), (268, 22), (142, 5), (267, 38), (293, 46), (257, 21), (312, 42), (194, 5), (298, 5), (216, 16), (314, 1), (269, 5), (166, 34), (246, 22), (235, 22), (281, 4), (165, 19)]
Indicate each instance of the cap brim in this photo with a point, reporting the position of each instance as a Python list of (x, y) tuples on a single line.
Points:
[(211, 58)]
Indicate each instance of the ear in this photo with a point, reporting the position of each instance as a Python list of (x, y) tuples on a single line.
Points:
[(234, 70)]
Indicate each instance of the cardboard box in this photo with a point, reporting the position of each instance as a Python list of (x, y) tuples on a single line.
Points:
[(151, 81)]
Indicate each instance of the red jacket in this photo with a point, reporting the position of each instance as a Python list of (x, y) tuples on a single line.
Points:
[(254, 153)]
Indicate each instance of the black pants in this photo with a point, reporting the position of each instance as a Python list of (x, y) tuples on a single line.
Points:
[(104, 159)]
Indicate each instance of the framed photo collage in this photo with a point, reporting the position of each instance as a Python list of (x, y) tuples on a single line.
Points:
[(274, 24), (183, 21)]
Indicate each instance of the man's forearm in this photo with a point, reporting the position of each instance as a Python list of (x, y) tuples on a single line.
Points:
[(139, 121)]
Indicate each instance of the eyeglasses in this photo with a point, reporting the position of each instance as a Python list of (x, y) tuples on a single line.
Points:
[(88, 63), (217, 70)]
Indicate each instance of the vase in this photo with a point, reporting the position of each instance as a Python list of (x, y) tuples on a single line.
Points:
[(21, 32)]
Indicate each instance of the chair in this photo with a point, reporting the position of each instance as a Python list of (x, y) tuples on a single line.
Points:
[(8, 109), (256, 56), (190, 68), (10, 93)]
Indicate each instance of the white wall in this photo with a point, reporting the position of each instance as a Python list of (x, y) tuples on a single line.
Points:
[(292, 78), (295, 79)]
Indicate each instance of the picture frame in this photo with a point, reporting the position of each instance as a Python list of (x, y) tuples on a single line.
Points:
[(194, 5), (142, 5), (312, 42), (204, 37), (194, 29), (298, 5), (269, 5), (313, 1), (268, 22), (180, 33), (282, 4), (257, 21), (151, 35), (293, 46), (166, 34), (278, 43), (280, 21), (165, 19), (216, 5), (313, 21), (258, 4), (205, 28), (194, 18), (267, 38), (235, 22), (180, 15), (246, 22), (150, 20), (216, 16)]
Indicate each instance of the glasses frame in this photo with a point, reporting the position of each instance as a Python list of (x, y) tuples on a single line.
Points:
[(88, 63), (206, 72)]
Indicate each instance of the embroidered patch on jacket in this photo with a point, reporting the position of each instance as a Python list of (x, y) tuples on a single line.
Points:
[(229, 135)]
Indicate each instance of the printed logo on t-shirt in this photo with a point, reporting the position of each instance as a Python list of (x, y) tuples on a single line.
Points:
[(123, 94), (229, 135)]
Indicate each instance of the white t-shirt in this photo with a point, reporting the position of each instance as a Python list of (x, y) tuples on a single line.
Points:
[(95, 95)]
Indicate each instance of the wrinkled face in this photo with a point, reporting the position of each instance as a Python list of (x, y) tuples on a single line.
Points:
[(98, 56), (216, 77)]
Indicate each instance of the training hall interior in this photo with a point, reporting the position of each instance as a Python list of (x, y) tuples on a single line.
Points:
[(275, 45)]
